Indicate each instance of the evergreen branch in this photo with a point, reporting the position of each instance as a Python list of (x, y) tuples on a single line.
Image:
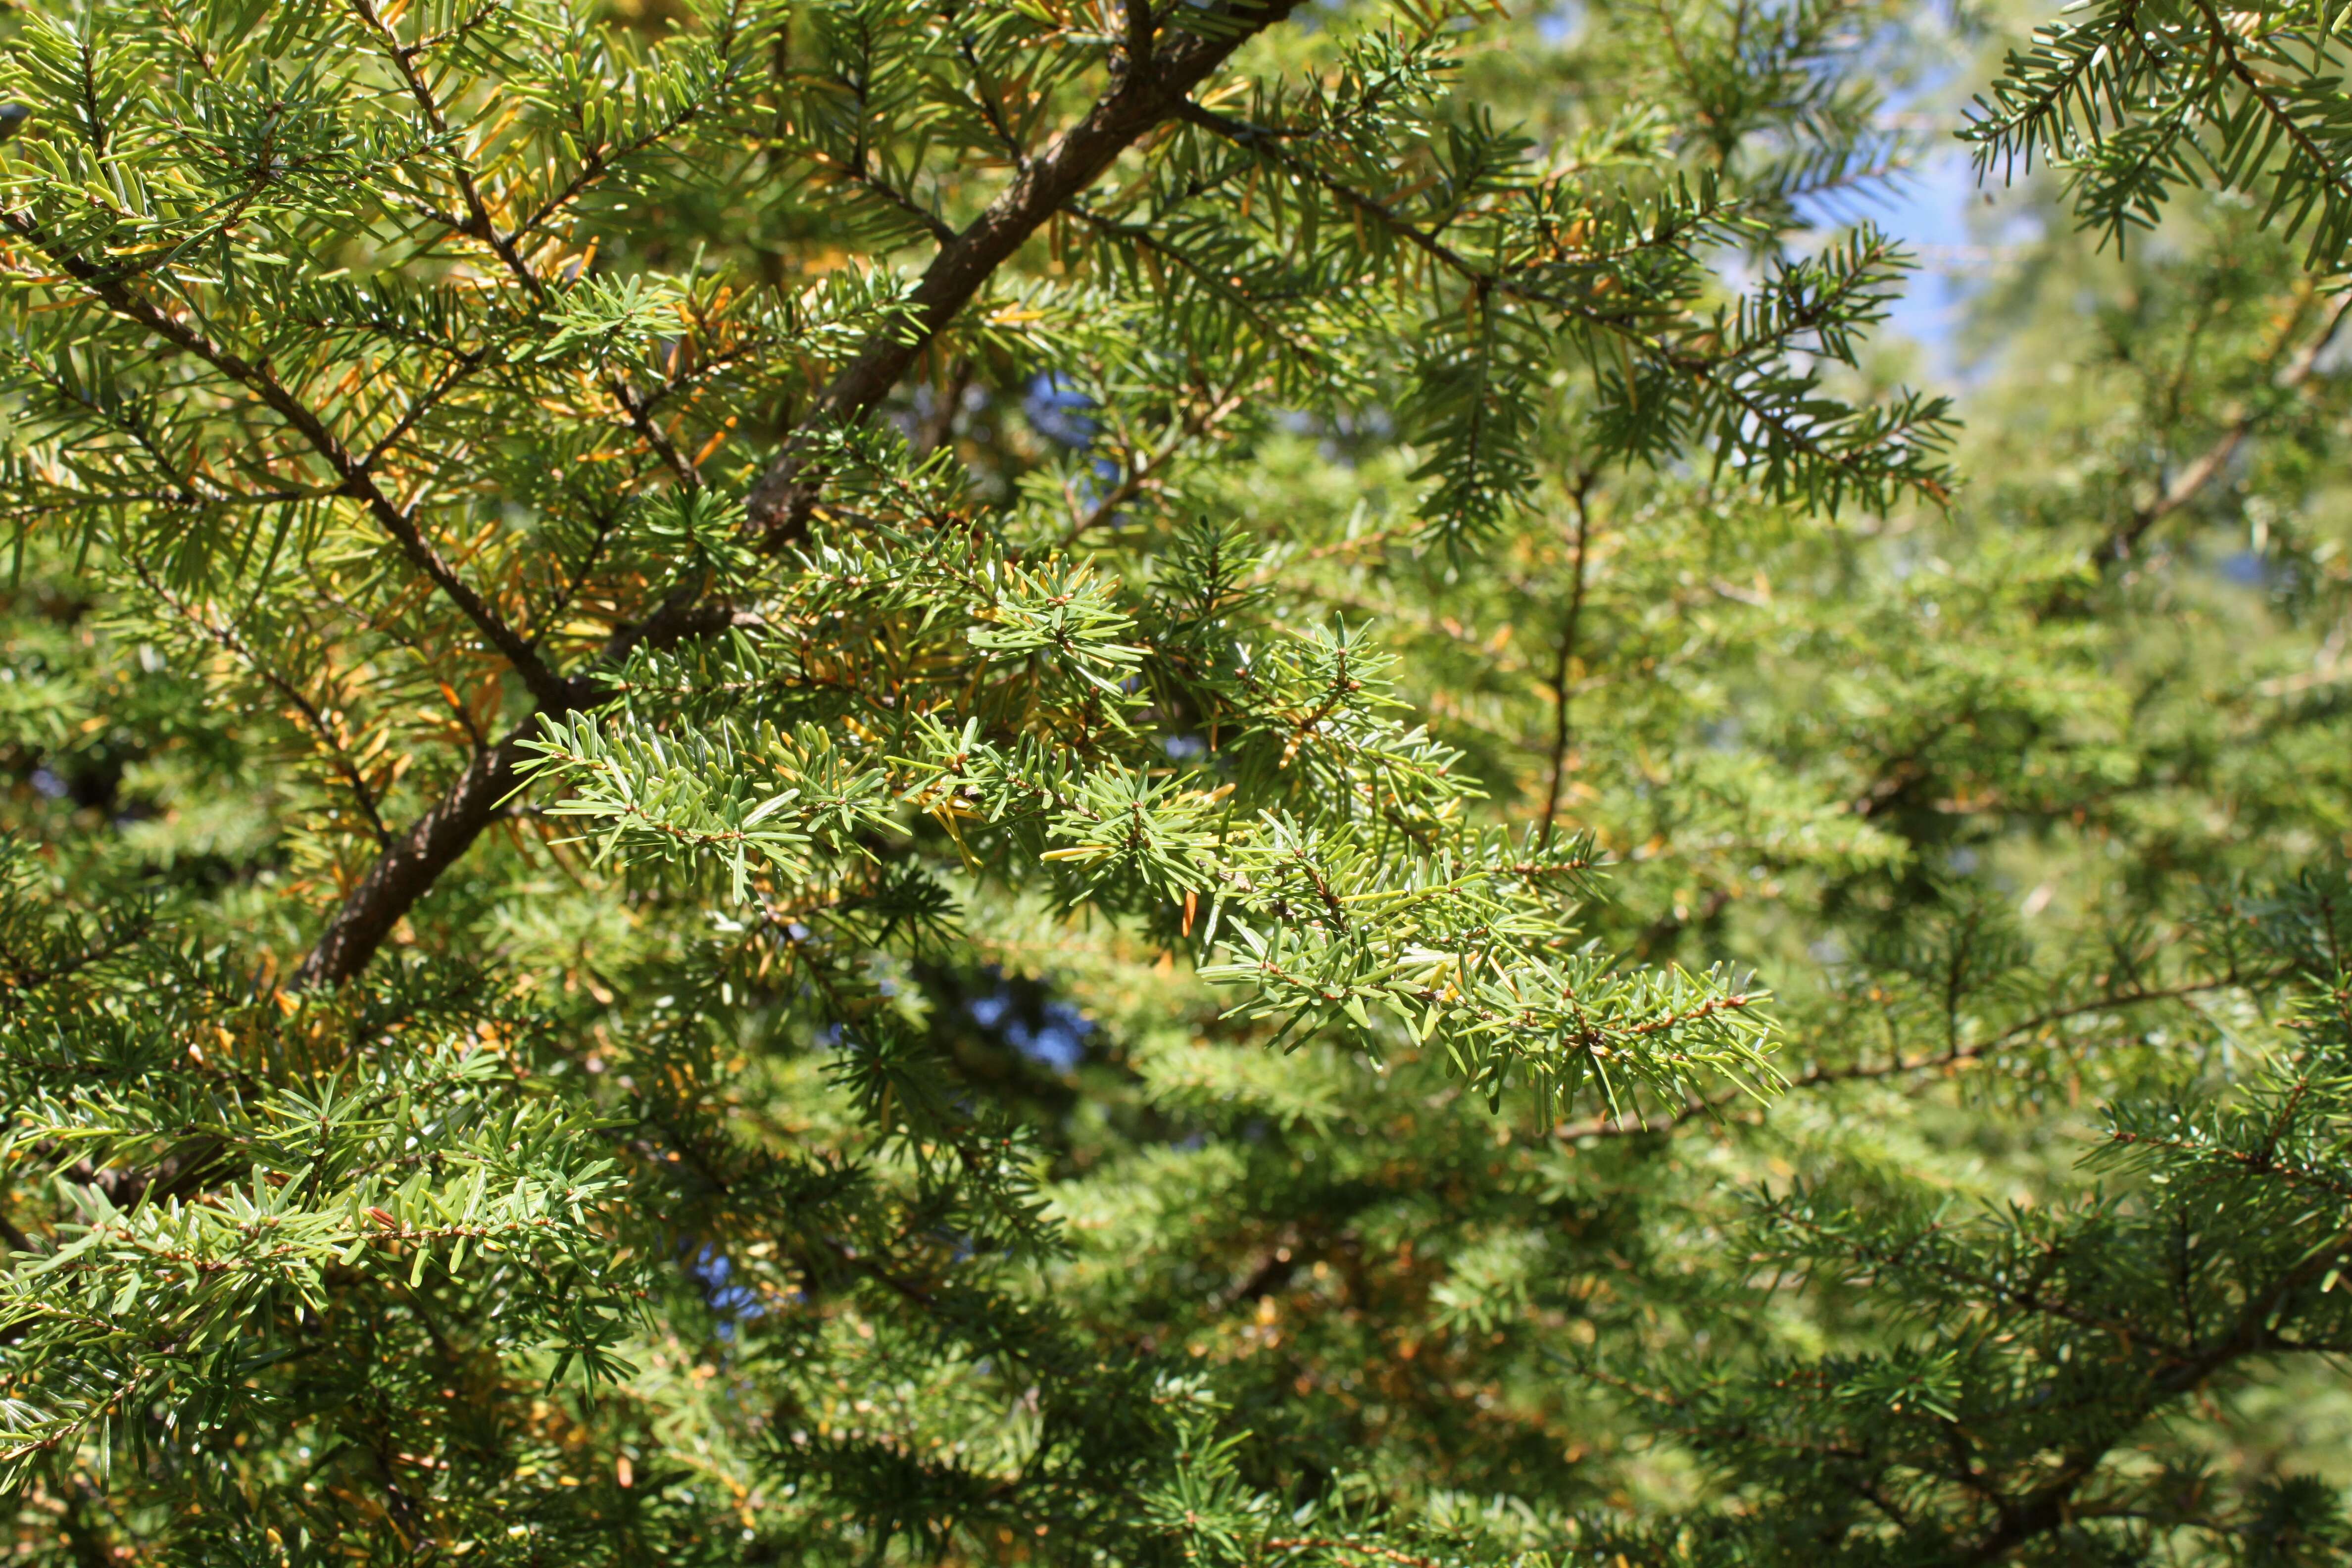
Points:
[(2319, 165), (355, 479), (228, 638), (2048, 1506), (1718, 375), (477, 222), (2192, 480), (1142, 98), (1217, 280), (1711, 1108), (479, 225), (779, 504)]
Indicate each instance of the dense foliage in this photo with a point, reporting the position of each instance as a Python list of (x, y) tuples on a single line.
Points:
[(1230, 784)]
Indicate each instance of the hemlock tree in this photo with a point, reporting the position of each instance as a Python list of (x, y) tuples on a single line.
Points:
[(828, 781)]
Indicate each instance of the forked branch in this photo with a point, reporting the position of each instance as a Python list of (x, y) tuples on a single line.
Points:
[(1149, 88)]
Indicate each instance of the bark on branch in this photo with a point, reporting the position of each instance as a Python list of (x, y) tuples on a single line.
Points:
[(1148, 91), (1152, 79), (352, 475), (2191, 481)]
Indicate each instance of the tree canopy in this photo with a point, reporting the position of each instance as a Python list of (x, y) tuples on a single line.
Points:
[(1234, 784)]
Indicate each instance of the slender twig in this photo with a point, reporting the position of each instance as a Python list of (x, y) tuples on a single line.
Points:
[(930, 222), (232, 641), (1711, 1107), (1560, 731), (356, 480), (2191, 481), (1144, 470)]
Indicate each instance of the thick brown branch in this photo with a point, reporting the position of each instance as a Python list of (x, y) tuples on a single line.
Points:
[(1144, 95), (1563, 665), (1147, 94), (406, 871)]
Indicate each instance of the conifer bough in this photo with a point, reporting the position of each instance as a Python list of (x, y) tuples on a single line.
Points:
[(717, 547)]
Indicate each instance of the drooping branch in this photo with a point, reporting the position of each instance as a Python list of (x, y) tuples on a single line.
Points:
[(1719, 374)]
